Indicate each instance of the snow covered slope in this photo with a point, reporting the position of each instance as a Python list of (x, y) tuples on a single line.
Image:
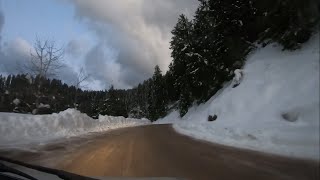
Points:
[(274, 109), (22, 129)]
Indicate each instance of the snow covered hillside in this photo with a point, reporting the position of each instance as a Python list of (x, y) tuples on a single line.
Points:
[(274, 109), (22, 129)]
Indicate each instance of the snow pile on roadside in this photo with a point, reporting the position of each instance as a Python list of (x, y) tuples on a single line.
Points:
[(172, 118), (120, 122), (274, 109), (22, 129)]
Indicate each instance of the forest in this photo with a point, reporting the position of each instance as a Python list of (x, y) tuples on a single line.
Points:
[(205, 51)]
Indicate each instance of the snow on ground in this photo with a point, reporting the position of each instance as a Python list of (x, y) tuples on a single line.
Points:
[(19, 130), (16, 101), (276, 85)]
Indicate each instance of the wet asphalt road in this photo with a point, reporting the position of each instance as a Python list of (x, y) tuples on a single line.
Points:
[(158, 151)]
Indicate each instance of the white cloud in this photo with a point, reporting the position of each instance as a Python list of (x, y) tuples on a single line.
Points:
[(100, 64), (19, 47), (77, 47), (138, 29), (14, 55), (131, 37)]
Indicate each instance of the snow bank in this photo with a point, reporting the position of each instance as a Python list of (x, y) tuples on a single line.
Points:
[(22, 129), (16, 101), (172, 117), (274, 109)]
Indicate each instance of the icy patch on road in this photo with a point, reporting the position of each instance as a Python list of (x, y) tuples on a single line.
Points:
[(22, 129)]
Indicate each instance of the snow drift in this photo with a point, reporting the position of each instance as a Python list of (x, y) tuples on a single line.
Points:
[(22, 129), (274, 109)]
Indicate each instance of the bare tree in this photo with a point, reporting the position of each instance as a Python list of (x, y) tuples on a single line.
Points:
[(46, 59), (81, 77)]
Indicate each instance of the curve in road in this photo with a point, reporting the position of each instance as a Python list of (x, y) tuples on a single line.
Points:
[(158, 151)]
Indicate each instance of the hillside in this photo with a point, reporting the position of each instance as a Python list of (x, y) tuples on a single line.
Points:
[(275, 108)]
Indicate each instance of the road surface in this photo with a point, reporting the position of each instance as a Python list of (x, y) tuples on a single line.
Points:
[(158, 151)]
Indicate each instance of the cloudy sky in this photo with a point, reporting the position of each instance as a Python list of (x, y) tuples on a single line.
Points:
[(117, 41)]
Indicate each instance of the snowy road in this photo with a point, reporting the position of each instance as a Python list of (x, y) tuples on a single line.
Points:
[(157, 150)]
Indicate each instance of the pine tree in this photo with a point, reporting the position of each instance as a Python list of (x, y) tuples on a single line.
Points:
[(172, 93), (157, 96), (2, 84), (182, 54), (113, 104), (8, 82), (185, 100), (288, 22)]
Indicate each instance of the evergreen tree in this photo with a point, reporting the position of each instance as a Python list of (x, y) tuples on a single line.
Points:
[(182, 54), (157, 96), (205, 52), (113, 105), (288, 22), (2, 84), (8, 82), (185, 100), (172, 93)]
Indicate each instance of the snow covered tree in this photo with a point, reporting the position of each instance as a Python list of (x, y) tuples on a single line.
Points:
[(157, 96), (288, 22), (181, 47), (8, 82), (220, 38), (172, 93), (2, 84), (113, 104), (185, 100), (182, 54), (206, 51)]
